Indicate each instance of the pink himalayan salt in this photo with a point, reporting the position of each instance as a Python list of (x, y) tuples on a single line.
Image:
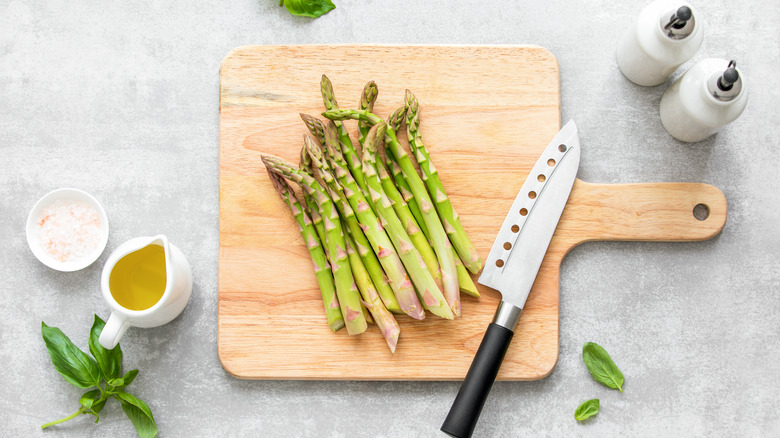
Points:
[(69, 230)]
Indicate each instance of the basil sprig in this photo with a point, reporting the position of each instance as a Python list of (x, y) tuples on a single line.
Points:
[(601, 366), (587, 409), (308, 8), (102, 371)]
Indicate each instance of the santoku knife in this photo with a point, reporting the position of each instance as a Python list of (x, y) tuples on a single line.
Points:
[(512, 266)]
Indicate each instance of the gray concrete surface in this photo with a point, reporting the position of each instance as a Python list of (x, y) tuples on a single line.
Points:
[(120, 99)]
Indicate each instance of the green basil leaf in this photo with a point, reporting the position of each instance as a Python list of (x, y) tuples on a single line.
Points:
[(601, 366), (139, 413), (73, 364), (309, 8), (109, 361), (89, 398), (93, 403), (125, 380), (587, 409), (98, 406)]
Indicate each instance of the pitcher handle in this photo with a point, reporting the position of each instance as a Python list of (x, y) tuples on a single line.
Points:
[(115, 328)]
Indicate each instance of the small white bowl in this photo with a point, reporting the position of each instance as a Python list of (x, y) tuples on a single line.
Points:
[(32, 237)]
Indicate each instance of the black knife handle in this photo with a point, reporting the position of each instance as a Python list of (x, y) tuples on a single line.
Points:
[(465, 410)]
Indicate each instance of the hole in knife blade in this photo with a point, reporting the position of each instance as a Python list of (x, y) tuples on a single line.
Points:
[(532, 195), (523, 211), (562, 148), (507, 246), (515, 228), (541, 178), (551, 162), (499, 263)]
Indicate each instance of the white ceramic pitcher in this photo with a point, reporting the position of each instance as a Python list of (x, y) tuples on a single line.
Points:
[(178, 288)]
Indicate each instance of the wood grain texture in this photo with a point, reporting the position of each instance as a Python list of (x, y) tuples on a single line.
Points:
[(487, 113)]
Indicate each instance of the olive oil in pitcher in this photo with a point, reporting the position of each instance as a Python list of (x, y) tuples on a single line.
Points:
[(138, 279)]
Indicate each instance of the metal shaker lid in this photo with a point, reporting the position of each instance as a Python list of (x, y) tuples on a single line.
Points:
[(725, 85), (678, 23)]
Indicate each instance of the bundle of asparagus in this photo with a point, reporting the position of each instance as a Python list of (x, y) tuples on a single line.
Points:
[(383, 238)]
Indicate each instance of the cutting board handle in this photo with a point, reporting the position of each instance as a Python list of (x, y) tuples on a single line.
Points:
[(643, 212)]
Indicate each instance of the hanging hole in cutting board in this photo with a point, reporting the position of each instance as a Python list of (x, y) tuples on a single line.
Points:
[(701, 212)]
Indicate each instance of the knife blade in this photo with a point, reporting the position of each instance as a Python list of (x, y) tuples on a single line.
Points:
[(511, 269)]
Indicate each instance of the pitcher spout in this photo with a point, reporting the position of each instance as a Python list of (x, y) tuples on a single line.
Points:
[(160, 240)]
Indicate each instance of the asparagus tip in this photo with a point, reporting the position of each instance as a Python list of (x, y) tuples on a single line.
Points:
[(374, 136), (411, 101)]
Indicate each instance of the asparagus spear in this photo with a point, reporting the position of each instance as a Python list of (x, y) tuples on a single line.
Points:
[(367, 256), (415, 265), (387, 324), (347, 148), (465, 283), (360, 287), (322, 269), (396, 118), (438, 236), (367, 99), (370, 261), (373, 230), (430, 175), (406, 193), (315, 127), (395, 121), (366, 313), (346, 290), (402, 211), (309, 203)]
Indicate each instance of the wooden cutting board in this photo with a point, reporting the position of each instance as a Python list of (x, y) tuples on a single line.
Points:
[(487, 114)]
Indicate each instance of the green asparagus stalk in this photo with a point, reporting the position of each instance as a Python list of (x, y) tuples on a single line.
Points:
[(315, 127), (413, 261), (440, 241), (316, 220), (394, 121), (430, 175), (346, 146), (316, 216), (372, 228), (396, 118), (465, 283), (387, 324), (372, 264), (367, 256), (309, 203), (404, 214), (367, 99), (366, 313), (322, 269), (406, 193), (346, 290)]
